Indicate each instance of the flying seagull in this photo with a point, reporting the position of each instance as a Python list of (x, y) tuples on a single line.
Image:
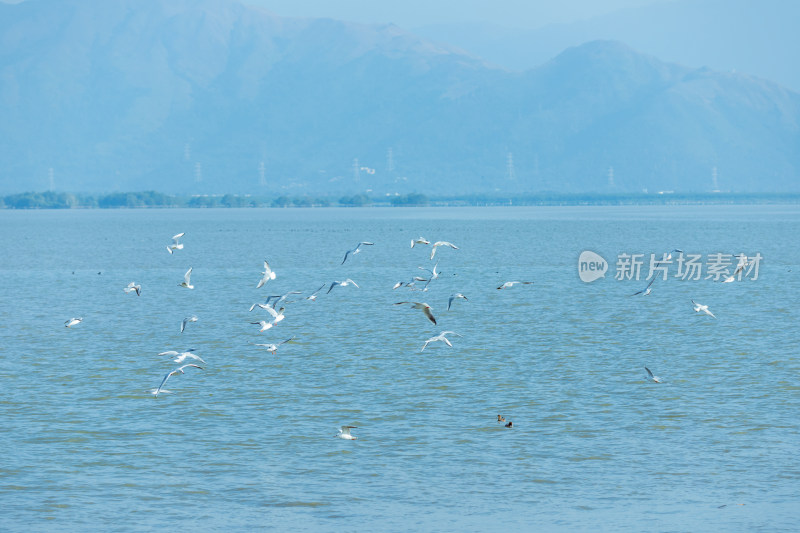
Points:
[(187, 279), (182, 356), (509, 284), (313, 295), (133, 287), (453, 297), (274, 347), (73, 321), (268, 275), (423, 306), (356, 250), (743, 262), (441, 243), (175, 244), (186, 321), (654, 379), (344, 283), (667, 257), (344, 433), (277, 316), (704, 308), (421, 240), (434, 273), (440, 337), (647, 290), (175, 372)]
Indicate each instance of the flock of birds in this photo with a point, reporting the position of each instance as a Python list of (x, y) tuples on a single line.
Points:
[(273, 306)]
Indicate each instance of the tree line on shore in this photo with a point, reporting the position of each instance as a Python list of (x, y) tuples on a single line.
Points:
[(153, 199)]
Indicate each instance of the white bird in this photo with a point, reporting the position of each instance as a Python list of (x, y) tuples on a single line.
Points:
[(668, 257), (175, 372), (356, 250), (344, 433), (647, 290), (313, 295), (277, 316), (274, 347), (743, 263), (279, 298), (133, 287), (183, 356), (423, 306), (344, 283), (453, 297), (441, 243), (73, 321), (186, 321), (509, 284), (409, 284), (268, 275), (187, 279), (704, 308), (440, 337), (434, 273), (421, 240), (653, 378), (175, 244)]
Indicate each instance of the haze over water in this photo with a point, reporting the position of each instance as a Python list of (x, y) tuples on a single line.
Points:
[(248, 442)]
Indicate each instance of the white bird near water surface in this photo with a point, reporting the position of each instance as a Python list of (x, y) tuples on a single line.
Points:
[(187, 279), (175, 372), (133, 287), (186, 321), (440, 337), (268, 274), (175, 244), (344, 433), (704, 308)]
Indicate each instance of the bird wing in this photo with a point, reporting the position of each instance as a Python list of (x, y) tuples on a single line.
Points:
[(648, 372), (345, 256), (353, 282), (178, 236), (187, 277), (427, 311)]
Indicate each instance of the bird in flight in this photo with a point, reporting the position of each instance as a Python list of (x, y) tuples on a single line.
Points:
[(704, 308), (647, 290), (344, 433), (187, 279), (421, 240), (344, 283), (133, 287), (440, 337), (73, 321), (272, 348), (356, 250), (268, 275), (651, 377), (441, 243), (175, 372), (175, 244), (277, 316), (453, 297), (423, 306), (509, 284), (186, 321)]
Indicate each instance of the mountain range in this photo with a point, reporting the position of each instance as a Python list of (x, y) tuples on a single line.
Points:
[(212, 96)]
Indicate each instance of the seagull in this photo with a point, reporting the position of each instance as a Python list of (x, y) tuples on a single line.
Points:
[(500, 418), (268, 275), (743, 262), (434, 272), (280, 298), (183, 356), (277, 316), (421, 240), (441, 243), (440, 337), (274, 347), (654, 379), (647, 290), (453, 297), (175, 244), (187, 279), (187, 320), (313, 295), (425, 309), (175, 372), (668, 257), (344, 283), (356, 250), (133, 287), (509, 284), (409, 284), (73, 321), (344, 433), (704, 308)]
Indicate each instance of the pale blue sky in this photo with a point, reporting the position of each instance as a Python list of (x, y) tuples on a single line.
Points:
[(412, 13)]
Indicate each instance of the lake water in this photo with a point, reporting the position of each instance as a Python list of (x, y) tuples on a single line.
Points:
[(248, 442)]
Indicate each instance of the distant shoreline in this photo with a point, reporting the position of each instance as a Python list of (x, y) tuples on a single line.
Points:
[(152, 199)]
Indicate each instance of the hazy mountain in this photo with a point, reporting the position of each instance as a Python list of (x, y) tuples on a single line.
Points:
[(211, 96), (758, 38)]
